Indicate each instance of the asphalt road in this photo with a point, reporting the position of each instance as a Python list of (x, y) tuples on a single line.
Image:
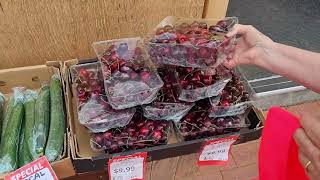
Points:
[(292, 22)]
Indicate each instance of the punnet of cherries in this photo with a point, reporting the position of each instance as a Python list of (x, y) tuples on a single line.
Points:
[(130, 78), (199, 84), (167, 105), (197, 123), (232, 100), (139, 133), (190, 43), (94, 111)]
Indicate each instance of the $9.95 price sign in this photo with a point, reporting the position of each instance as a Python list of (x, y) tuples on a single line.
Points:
[(129, 167), (216, 152)]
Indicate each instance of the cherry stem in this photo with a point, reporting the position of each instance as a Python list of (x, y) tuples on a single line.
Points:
[(204, 85), (190, 73), (95, 143), (174, 98), (193, 125), (199, 111)]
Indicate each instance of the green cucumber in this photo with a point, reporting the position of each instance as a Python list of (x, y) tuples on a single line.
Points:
[(42, 121), (7, 115), (28, 143), (21, 141), (55, 142), (10, 143)]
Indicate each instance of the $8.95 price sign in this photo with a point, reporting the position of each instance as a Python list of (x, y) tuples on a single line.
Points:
[(129, 167), (216, 152)]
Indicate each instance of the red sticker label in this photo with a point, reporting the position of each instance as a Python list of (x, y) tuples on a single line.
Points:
[(216, 151), (131, 167), (36, 170)]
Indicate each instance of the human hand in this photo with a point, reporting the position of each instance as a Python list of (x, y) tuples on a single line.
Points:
[(308, 141), (251, 45)]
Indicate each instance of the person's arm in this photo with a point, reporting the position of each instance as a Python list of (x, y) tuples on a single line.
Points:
[(296, 64)]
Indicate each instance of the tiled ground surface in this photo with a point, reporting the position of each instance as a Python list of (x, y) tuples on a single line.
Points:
[(242, 164)]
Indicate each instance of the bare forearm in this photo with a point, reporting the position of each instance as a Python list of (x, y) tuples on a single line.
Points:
[(296, 53), (296, 64)]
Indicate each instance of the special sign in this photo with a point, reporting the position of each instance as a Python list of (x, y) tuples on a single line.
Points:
[(39, 169)]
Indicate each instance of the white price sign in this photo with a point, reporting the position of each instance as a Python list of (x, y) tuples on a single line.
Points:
[(216, 152), (129, 167)]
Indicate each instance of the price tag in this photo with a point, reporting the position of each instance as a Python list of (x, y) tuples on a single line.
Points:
[(216, 152), (129, 167), (36, 170)]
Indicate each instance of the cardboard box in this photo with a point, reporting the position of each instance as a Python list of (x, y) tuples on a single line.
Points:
[(32, 77), (86, 160)]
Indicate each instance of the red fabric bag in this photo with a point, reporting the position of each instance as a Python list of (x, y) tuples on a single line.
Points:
[(278, 155)]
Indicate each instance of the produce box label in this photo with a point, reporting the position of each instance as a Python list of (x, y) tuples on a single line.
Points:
[(216, 152), (36, 170), (129, 167)]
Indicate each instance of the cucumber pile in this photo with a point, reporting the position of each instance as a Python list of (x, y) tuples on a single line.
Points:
[(32, 126)]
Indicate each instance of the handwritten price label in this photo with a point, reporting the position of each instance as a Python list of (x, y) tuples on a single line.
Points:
[(36, 170), (129, 167), (216, 152)]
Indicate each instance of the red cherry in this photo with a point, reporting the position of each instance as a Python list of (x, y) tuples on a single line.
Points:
[(181, 38), (157, 135), (168, 85), (188, 118), (131, 131), (149, 123), (114, 66), (191, 60), (83, 73), (195, 78), (207, 79), (167, 51), (203, 52), (120, 143), (183, 83), (133, 75), (121, 63), (139, 124), (107, 135), (225, 103), (189, 69), (114, 147), (98, 139), (145, 76), (92, 75), (144, 131), (160, 127)]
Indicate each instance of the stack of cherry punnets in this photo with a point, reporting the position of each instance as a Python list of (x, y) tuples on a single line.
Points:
[(129, 99), (196, 50)]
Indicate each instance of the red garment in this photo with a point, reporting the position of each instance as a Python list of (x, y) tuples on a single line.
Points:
[(278, 155)]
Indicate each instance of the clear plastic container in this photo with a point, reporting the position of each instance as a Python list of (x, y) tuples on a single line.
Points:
[(139, 133), (233, 100), (197, 124), (198, 43), (94, 111), (197, 84), (167, 106), (130, 78)]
